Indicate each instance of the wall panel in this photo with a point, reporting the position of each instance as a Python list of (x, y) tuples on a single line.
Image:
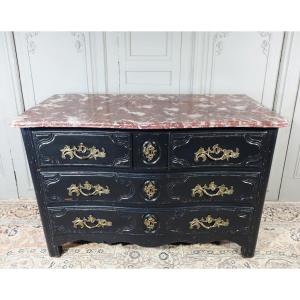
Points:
[(149, 62), (15, 180), (56, 62)]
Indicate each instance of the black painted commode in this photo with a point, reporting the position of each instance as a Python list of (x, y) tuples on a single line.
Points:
[(150, 187), (150, 169)]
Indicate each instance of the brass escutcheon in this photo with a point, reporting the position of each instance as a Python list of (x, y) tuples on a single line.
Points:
[(149, 150), (150, 189)]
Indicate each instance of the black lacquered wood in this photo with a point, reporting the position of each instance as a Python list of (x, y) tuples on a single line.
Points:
[(49, 145), (174, 173), (131, 188), (250, 145)]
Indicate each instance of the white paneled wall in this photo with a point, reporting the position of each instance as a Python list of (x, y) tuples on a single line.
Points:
[(288, 104), (150, 62), (14, 175), (238, 62), (53, 63)]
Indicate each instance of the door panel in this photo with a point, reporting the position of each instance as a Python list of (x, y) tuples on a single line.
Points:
[(147, 62), (291, 175)]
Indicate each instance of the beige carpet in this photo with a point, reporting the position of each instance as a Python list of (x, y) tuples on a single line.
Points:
[(22, 245)]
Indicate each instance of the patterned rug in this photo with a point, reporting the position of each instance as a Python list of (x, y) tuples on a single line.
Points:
[(22, 245)]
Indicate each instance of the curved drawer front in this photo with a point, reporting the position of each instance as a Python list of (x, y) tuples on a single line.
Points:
[(126, 221), (218, 149), (82, 148), (212, 187), (83, 187), (147, 189)]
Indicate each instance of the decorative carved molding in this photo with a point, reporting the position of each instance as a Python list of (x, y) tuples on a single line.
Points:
[(31, 45), (42, 140), (79, 41), (218, 41), (123, 141), (265, 44)]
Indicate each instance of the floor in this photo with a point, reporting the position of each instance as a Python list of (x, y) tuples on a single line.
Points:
[(22, 245)]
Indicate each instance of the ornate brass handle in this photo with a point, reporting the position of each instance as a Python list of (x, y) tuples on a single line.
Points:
[(226, 154), (88, 153), (218, 190), (149, 150), (208, 223), (90, 222), (150, 222), (92, 190), (150, 189)]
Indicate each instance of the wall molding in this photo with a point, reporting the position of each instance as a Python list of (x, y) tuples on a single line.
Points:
[(14, 105), (284, 104), (88, 44), (96, 62), (211, 45)]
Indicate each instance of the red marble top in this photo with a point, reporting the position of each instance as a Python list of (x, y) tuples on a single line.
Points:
[(149, 112)]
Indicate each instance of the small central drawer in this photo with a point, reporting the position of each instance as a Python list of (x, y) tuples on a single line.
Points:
[(190, 222), (150, 150), (83, 148), (150, 189)]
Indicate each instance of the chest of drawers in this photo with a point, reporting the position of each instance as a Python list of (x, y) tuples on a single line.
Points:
[(103, 177)]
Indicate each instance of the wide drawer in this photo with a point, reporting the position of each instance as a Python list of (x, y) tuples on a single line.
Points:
[(82, 148), (86, 222), (150, 189), (235, 148)]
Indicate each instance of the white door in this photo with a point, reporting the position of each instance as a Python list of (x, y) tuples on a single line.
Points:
[(291, 176), (149, 62)]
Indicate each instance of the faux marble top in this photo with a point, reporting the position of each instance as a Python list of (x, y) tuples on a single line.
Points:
[(149, 112)]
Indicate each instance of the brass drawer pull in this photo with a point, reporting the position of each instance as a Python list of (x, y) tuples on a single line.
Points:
[(150, 223), (226, 154), (149, 150), (208, 223), (219, 190), (90, 222), (88, 153), (92, 190), (150, 189)]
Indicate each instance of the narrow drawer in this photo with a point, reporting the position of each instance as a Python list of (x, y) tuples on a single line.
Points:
[(82, 148), (150, 189), (142, 225), (235, 148), (150, 150)]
